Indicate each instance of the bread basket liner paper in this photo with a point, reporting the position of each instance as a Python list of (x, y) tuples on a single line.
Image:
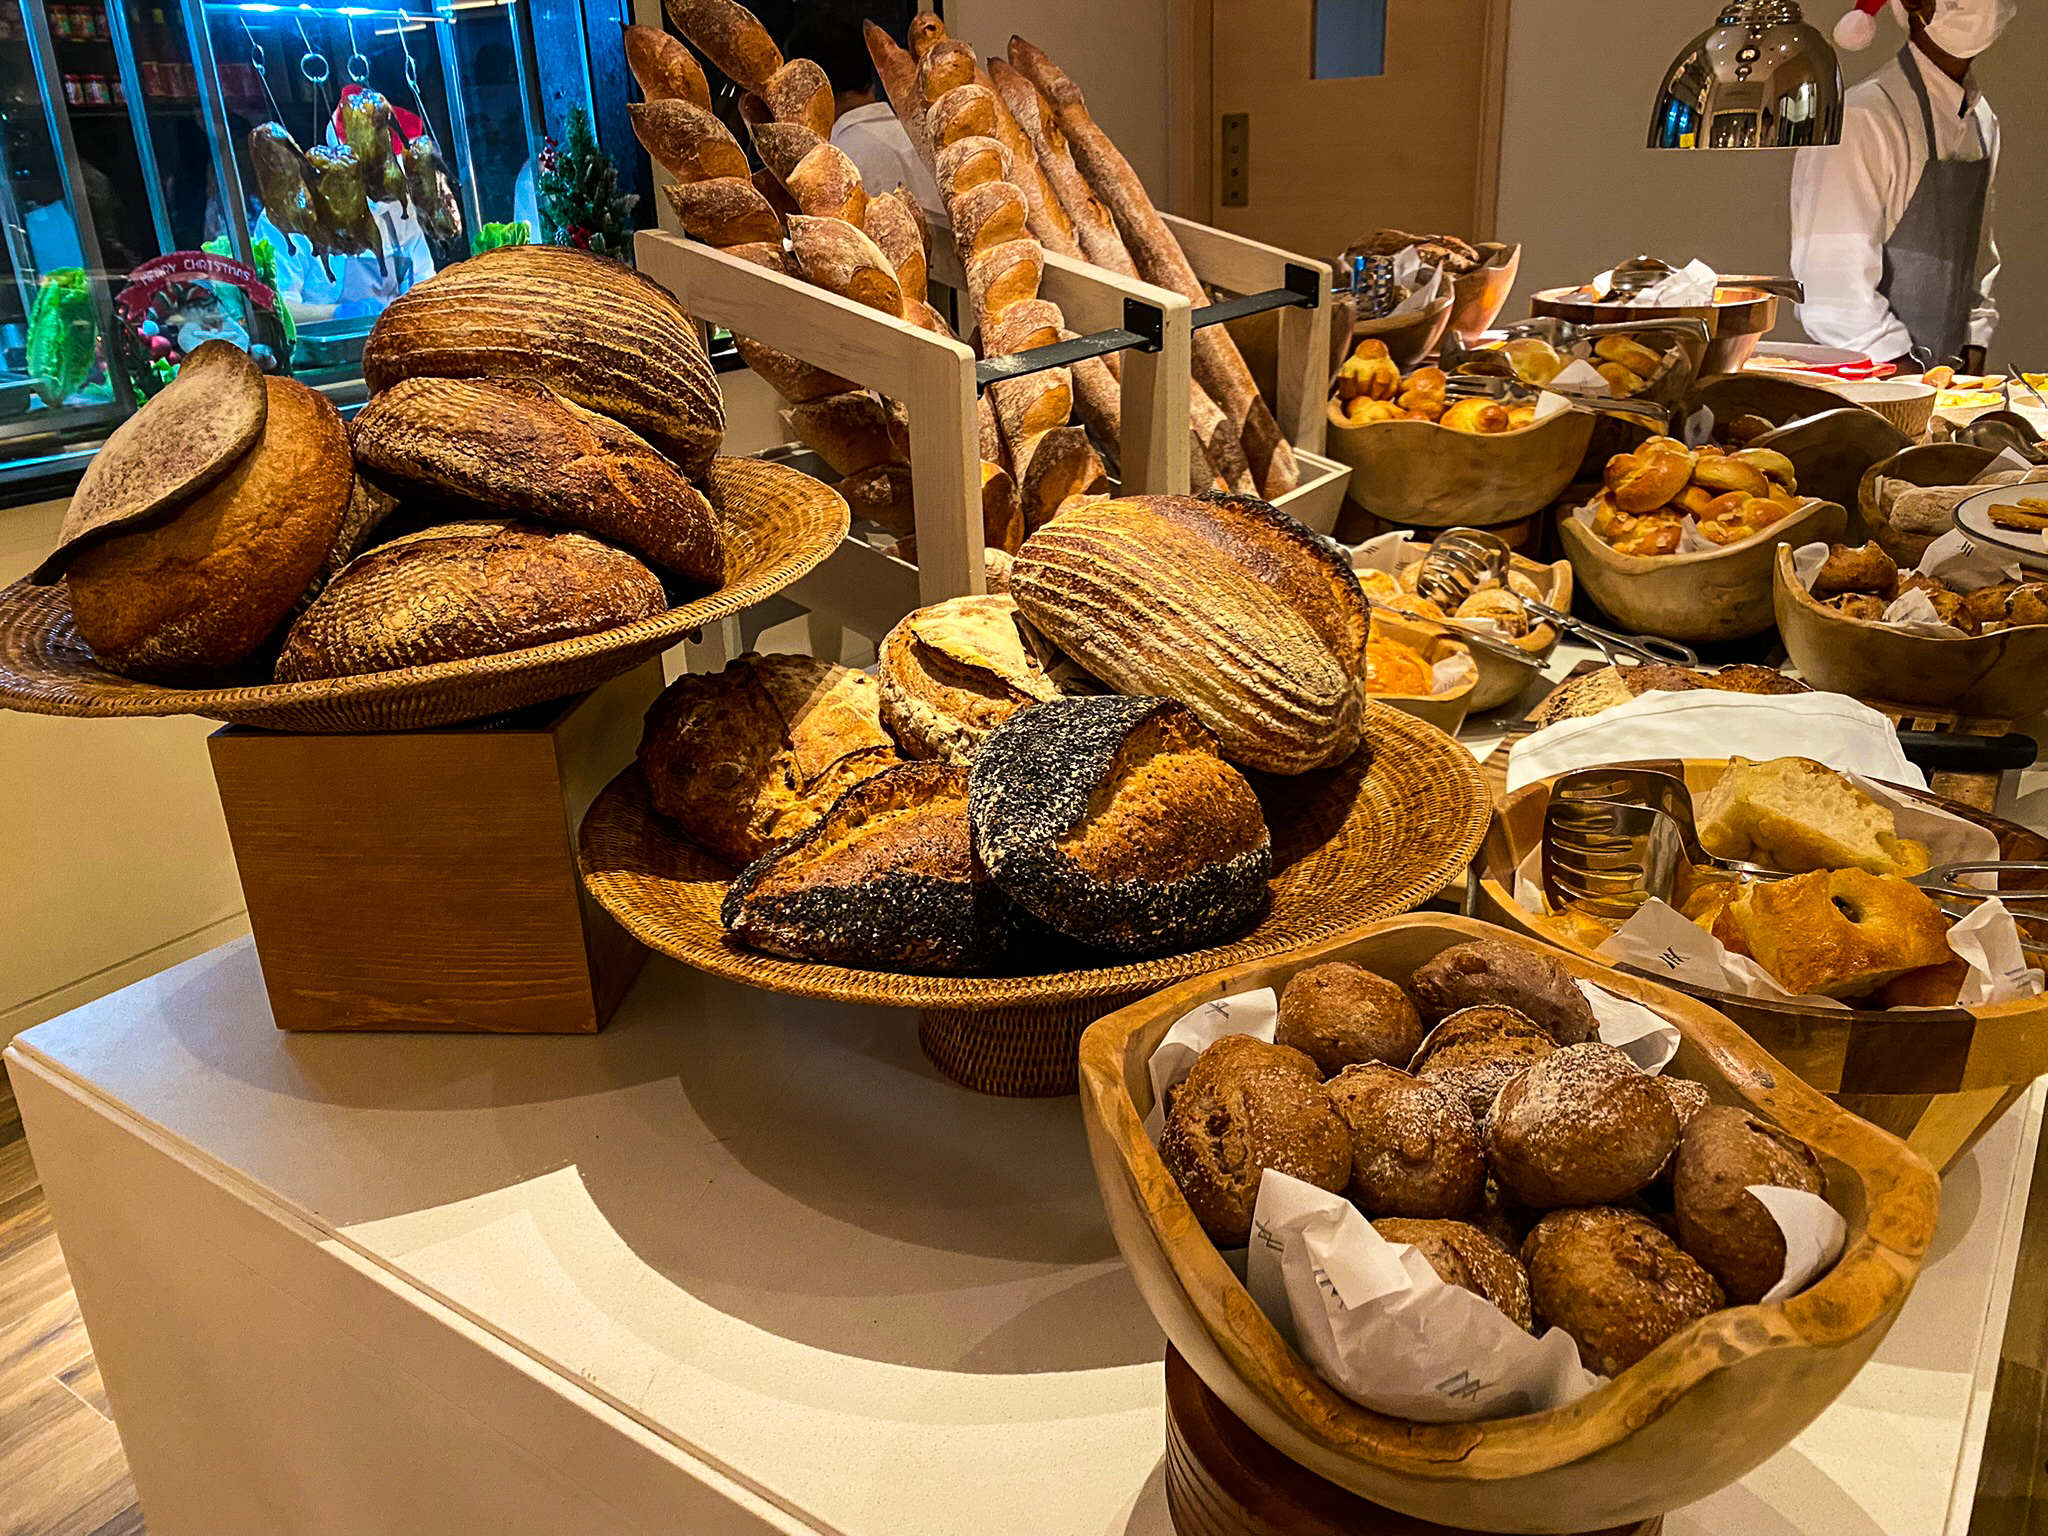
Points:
[(1955, 559), (1371, 1316), (1830, 728)]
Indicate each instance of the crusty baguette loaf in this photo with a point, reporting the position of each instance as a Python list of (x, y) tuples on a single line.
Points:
[(842, 260), (521, 449), (691, 143), (896, 68), (731, 37), (724, 212), (901, 238), (850, 431), (818, 176), (800, 92), (463, 590), (664, 68), (1219, 366), (594, 331)]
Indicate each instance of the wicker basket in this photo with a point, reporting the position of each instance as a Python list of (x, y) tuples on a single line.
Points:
[(778, 523), (1375, 836)]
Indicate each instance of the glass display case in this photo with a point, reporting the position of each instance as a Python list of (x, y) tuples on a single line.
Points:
[(172, 171)]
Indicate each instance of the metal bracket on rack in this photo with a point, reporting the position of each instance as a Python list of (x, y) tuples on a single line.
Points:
[(1143, 330), (1300, 292)]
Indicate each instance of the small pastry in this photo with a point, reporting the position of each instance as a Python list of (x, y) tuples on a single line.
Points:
[(1846, 569), (1640, 482), (1393, 668), (1858, 605)]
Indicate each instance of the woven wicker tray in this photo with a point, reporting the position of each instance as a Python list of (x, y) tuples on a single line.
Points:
[(779, 524), (1373, 837)]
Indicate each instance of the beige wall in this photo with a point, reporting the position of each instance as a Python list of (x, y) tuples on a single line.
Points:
[(1580, 191)]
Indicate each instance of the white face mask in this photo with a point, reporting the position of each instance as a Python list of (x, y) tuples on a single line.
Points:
[(1965, 28)]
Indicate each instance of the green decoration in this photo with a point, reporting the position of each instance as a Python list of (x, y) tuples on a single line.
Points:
[(491, 236), (578, 189), (264, 260), (63, 335)]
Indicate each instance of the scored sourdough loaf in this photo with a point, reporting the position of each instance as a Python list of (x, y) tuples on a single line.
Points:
[(884, 880), (594, 331), (523, 449), (953, 672), (1113, 821), (463, 590), (748, 757), (1223, 603), (205, 588)]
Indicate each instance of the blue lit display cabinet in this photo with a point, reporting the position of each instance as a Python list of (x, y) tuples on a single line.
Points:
[(176, 170)]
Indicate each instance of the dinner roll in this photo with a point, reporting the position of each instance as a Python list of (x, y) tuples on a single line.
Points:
[(1414, 1151), (1338, 1013), (1584, 1126), (1614, 1282), (1720, 1223)]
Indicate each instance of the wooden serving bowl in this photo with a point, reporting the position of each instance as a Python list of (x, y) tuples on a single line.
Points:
[(1499, 681), (1705, 598), (1431, 476), (1409, 338), (1445, 711), (1478, 297), (1736, 320), (1938, 1077), (1926, 464), (1998, 674), (1701, 1410)]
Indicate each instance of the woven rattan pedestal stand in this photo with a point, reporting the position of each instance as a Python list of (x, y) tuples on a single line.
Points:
[(1223, 1480), (1027, 1051)]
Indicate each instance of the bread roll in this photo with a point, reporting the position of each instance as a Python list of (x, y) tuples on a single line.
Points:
[(1724, 1151), (1840, 933), (1476, 1052), (529, 451), (1848, 569), (1339, 1014), (1228, 606), (746, 758), (1518, 976), (594, 331), (1466, 1257), (1414, 1151), (1583, 1126), (953, 672), (208, 585), (1614, 1282), (464, 590), (1114, 821), (1244, 1107)]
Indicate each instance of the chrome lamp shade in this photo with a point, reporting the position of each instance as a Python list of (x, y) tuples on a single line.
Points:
[(1759, 78)]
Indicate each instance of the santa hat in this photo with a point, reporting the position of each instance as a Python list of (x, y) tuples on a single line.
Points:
[(1858, 30)]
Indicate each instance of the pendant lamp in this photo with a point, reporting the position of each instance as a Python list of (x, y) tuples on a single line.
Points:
[(1759, 78)]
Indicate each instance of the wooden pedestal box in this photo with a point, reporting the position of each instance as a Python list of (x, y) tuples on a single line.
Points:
[(427, 880)]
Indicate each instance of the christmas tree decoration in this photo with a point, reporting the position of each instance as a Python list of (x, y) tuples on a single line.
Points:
[(578, 191)]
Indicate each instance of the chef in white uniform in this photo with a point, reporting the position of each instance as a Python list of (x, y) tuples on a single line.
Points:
[(1891, 228)]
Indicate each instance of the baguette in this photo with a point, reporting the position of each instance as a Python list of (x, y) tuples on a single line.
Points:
[(724, 212), (896, 68), (817, 175), (688, 141), (1049, 218), (774, 193), (901, 238), (800, 92), (842, 260), (848, 431), (1219, 366), (664, 68), (731, 37)]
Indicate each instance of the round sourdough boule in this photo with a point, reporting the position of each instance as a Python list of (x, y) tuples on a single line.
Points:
[(1414, 1151), (1475, 1052), (1498, 971), (1338, 1014), (463, 590), (1244, 1107), (1614, 1282), (1584, 1126), (1720, 1223), (953, 672), (1464, 1256), (1114, 821), (206, 587)]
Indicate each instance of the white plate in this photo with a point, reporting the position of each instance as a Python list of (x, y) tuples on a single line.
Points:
[(1973, 516)]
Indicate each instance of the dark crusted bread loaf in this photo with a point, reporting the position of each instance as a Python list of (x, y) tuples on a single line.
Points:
[(464, 590), (594, 331), (205, 587), (1725, 1150), (1612, 1280), (526, 450), (953, 672), (749, 757), (885, 880), (1464, 1256), (1228, 606), (1114, 821)]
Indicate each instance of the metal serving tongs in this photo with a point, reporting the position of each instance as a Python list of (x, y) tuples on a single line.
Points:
[(1467, 386), (1614, 838), (1465, 559)]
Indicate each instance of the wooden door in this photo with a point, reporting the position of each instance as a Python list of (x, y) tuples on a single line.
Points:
[(1312, 164)]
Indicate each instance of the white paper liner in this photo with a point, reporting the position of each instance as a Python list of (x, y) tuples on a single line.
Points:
[(1580, 377), (1814, 1234), (1455, 671), (1692, 284)]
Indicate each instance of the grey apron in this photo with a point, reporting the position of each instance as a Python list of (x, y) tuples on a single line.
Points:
[(1930, 261)]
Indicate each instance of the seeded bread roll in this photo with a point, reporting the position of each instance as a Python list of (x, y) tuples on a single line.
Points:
[(1476, 1052), (1614, 1282), (953, 672), (1339, 1014), (1584, 1126), (463, 590), (885, 880), (1247, 1106), (1499, 971), (1414, 1151), (1464, 1256), (1720, 1223), (747, 758), (1114, 821)]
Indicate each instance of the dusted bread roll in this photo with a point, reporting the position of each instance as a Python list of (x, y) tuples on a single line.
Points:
[(1514, 975), (953, 672), (527, 450), (1339, 1014), (747, 758), (1414, 1151), (1230, 607), (592, 330), (1476, 1052), (1583, 1126), (1724, 1151), (1466, 1257), (204, 588), (1113, 821), (464, 590), (885, 880), (1614, 1282)]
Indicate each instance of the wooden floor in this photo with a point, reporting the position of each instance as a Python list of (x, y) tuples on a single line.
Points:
[(61, 1468)]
